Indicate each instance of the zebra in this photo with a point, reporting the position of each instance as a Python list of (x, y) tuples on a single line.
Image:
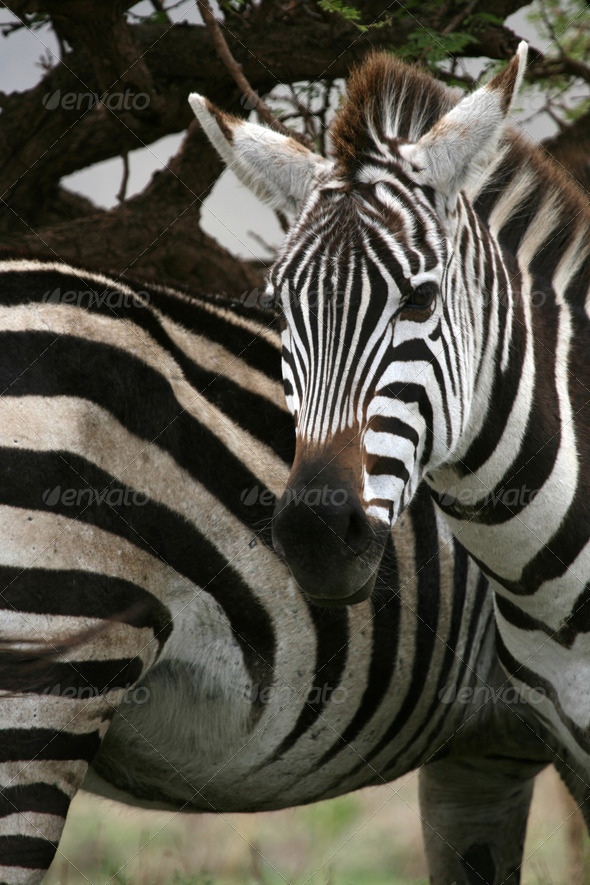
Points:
[(434, 286), (156, 650)]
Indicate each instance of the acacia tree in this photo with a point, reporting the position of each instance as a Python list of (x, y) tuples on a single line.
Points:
[(140, 69)]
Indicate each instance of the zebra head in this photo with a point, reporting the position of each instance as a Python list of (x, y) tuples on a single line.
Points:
[(380, 321)]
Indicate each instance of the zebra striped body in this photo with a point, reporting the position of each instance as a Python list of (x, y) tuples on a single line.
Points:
[(435, 289), (144, 439)]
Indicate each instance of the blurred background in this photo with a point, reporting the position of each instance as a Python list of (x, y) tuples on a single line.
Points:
[(371, 837), (212, 233)]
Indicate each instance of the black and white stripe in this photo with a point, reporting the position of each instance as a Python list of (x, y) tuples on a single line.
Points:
[(149, 576)]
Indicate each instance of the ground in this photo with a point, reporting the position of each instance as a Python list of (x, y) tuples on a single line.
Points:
[(368, 838)]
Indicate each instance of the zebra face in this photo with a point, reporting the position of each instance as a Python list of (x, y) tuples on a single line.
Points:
[(359, 282), (380, 347)]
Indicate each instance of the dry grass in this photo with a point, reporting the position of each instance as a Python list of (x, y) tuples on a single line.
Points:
[(370, 838)]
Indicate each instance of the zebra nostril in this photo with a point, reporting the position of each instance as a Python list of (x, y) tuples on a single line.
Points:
[(358, 533)]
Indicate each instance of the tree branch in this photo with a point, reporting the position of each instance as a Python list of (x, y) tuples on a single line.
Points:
[(550, 67), (39, 145), (254, 101), (154, 234)]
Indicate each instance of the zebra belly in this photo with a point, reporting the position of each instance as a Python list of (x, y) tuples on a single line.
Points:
[(198, 733), (205, 745), (219, 761), (203, 752)]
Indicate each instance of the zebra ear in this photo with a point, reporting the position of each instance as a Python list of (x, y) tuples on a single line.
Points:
[(278, 169), (459, 147)]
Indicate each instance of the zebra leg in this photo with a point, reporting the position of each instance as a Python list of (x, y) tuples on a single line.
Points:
[(474, 814), (576, 807), (46, 744), (56, 703)]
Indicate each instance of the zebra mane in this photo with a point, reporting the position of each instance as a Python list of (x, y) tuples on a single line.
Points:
[(530, 202), (385, 99)]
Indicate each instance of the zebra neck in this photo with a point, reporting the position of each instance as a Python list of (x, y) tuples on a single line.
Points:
[(516, 467), (520, 473)]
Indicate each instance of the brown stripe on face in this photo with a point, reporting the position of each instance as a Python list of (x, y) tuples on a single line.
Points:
[(340, 454)]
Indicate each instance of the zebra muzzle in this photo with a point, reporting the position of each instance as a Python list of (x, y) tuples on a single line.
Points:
[(326, 539)]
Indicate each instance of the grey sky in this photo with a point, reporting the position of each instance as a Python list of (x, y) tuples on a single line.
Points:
[(230, 212)]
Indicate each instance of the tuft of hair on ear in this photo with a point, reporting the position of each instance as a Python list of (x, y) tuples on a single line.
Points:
[(454, 154), (508, 82)]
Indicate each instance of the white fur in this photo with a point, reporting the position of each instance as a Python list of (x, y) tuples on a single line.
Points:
[(456, 151), (278, 169)]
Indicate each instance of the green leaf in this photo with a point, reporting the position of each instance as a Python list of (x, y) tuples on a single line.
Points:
[(350, 14)]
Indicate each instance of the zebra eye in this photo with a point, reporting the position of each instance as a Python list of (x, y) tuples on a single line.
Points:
[(422, 296)]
